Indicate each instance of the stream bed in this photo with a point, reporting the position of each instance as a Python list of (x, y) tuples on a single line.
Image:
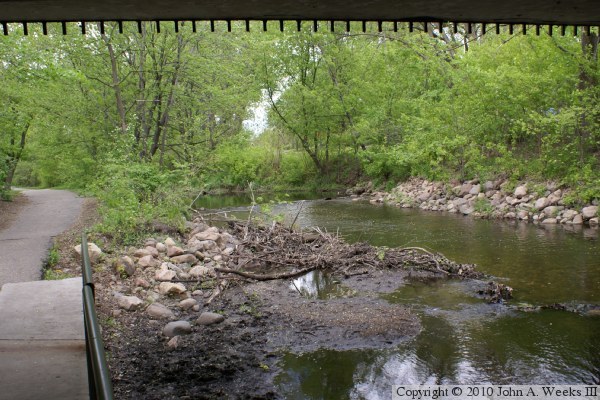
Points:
[(463, 340)]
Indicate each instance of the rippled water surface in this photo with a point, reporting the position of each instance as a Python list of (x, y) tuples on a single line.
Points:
[(463, 340)]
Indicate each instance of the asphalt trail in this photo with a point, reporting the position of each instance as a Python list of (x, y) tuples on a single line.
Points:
[(25, 243)]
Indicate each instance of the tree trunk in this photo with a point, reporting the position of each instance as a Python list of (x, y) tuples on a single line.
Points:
[(587, 80), (116, 84), (15, 156)]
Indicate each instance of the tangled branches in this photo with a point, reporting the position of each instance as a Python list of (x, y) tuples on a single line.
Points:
[(276, 252)]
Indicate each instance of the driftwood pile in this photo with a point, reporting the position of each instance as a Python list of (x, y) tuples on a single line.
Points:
[(276, 252)]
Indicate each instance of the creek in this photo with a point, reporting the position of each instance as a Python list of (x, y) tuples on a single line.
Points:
[(463, 340)]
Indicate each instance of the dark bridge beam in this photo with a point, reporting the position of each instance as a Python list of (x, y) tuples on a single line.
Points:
[(578, 12)]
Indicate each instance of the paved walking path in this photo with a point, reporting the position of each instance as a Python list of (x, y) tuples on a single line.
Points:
[(24, 245), (42, 346)]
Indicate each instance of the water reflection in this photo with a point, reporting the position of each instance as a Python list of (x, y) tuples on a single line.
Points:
[(320, 285)]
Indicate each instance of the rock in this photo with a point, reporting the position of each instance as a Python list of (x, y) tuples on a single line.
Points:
[(164, 274), (177, 328), (466, 209), (159, 311), (150, 242), (551, 211), (578, 219), (116, 313), (201, 270), (569, 214), (173, 251), (130, 303), (589, 212), (93, 251), (152, 251), (166, 288), (199, 227), (173, 343), (170, 242), (594, 221), (187, 304), (541, 203), (523, 215), (209, 234), (520, 191), (185, 259), (555, 197), (228, 251), (209, 318), (141, 282), (196, 308), (139, 253), (489, 185), (125, 264), (549, 221), (510, 215), (161, 247), (147, 261), (476, 189), (459, 202), (465, 188)]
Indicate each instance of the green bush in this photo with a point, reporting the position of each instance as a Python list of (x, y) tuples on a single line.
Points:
[(136, 194)]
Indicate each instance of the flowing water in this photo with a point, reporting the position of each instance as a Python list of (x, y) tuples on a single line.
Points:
[(463, 341)]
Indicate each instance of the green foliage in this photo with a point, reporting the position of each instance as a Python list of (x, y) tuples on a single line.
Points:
[(483, 206), (53, 257), (139, 119), (133, 195)]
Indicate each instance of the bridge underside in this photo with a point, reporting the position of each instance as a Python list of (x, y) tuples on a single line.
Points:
[(543, 12)]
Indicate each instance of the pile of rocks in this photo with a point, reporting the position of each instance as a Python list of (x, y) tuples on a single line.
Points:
[(491, 199), (156, 278)]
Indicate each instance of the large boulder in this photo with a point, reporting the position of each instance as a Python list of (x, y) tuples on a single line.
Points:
[(520, 191), (551, 211), (164, 274), (124, 265), (209, 318), (541, 203), (476, 189), (167, 288), (466, 209), (173, 251), (177, 328), (147, 261), (159, 311), (93, 251), (184, 259), (554, 197), (464, 189), (186, 304), (589, 212), (130, 303)]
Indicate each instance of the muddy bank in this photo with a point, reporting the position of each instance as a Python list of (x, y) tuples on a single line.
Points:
[(209, 314)]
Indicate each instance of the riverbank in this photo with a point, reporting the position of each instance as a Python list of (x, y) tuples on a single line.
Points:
[(211, 312), (539, 204)]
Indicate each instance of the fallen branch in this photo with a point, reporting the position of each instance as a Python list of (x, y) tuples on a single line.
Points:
[(268, 277)]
